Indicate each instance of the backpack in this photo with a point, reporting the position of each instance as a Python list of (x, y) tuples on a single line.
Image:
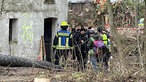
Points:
[(98, 46)]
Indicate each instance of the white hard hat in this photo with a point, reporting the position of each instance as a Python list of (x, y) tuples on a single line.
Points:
[(103, 31), (92, 31)]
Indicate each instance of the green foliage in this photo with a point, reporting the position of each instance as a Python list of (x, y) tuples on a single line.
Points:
[(124, 12), (129, 4)]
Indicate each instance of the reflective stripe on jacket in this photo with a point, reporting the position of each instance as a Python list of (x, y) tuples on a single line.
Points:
[(104, 39), (62, 40)]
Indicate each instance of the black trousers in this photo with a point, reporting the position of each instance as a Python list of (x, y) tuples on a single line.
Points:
[(59, 54), (104, 56), (82, 58)]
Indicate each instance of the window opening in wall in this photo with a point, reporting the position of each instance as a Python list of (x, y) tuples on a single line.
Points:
[(13, 30), (49, 1), (13, 33)]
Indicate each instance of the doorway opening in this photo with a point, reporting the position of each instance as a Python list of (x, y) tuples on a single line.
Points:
[(49, 26)]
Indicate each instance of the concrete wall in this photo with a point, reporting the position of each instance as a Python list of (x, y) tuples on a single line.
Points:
[(62, 10), (30, 16), (80, 1)]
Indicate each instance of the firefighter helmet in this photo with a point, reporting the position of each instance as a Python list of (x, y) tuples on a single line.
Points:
[(64, 23)]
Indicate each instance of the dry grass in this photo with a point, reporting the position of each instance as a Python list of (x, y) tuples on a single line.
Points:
[(70, 74)]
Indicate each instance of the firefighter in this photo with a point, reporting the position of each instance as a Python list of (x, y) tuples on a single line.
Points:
[(62, 43)]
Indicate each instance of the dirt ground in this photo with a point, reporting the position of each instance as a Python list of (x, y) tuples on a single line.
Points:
[(70, 74), (18, 74), (25, 74)]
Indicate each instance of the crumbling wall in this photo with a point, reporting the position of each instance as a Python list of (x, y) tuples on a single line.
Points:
[(30, 15)]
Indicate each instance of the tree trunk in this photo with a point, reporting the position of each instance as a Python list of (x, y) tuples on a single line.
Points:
[(144, 36), (139, 39), (115, 38)]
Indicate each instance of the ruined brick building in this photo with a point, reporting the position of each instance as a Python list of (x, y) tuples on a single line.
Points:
[(22, 22)]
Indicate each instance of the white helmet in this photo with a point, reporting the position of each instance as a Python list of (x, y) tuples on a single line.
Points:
[(92, 31)]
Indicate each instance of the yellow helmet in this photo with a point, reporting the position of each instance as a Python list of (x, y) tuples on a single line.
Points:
[(64, 23)]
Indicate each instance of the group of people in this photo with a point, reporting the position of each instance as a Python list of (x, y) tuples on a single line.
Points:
[(84, 43)]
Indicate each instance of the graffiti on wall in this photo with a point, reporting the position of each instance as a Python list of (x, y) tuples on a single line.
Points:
[(27, 35)]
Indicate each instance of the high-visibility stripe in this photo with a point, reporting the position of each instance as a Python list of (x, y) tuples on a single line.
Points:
[(141, 24), (54, 46), (62, 47), (63, 34), (105, 42), (66, 44), (104, 39), (59, 41), (71, 36), (67, 41)]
